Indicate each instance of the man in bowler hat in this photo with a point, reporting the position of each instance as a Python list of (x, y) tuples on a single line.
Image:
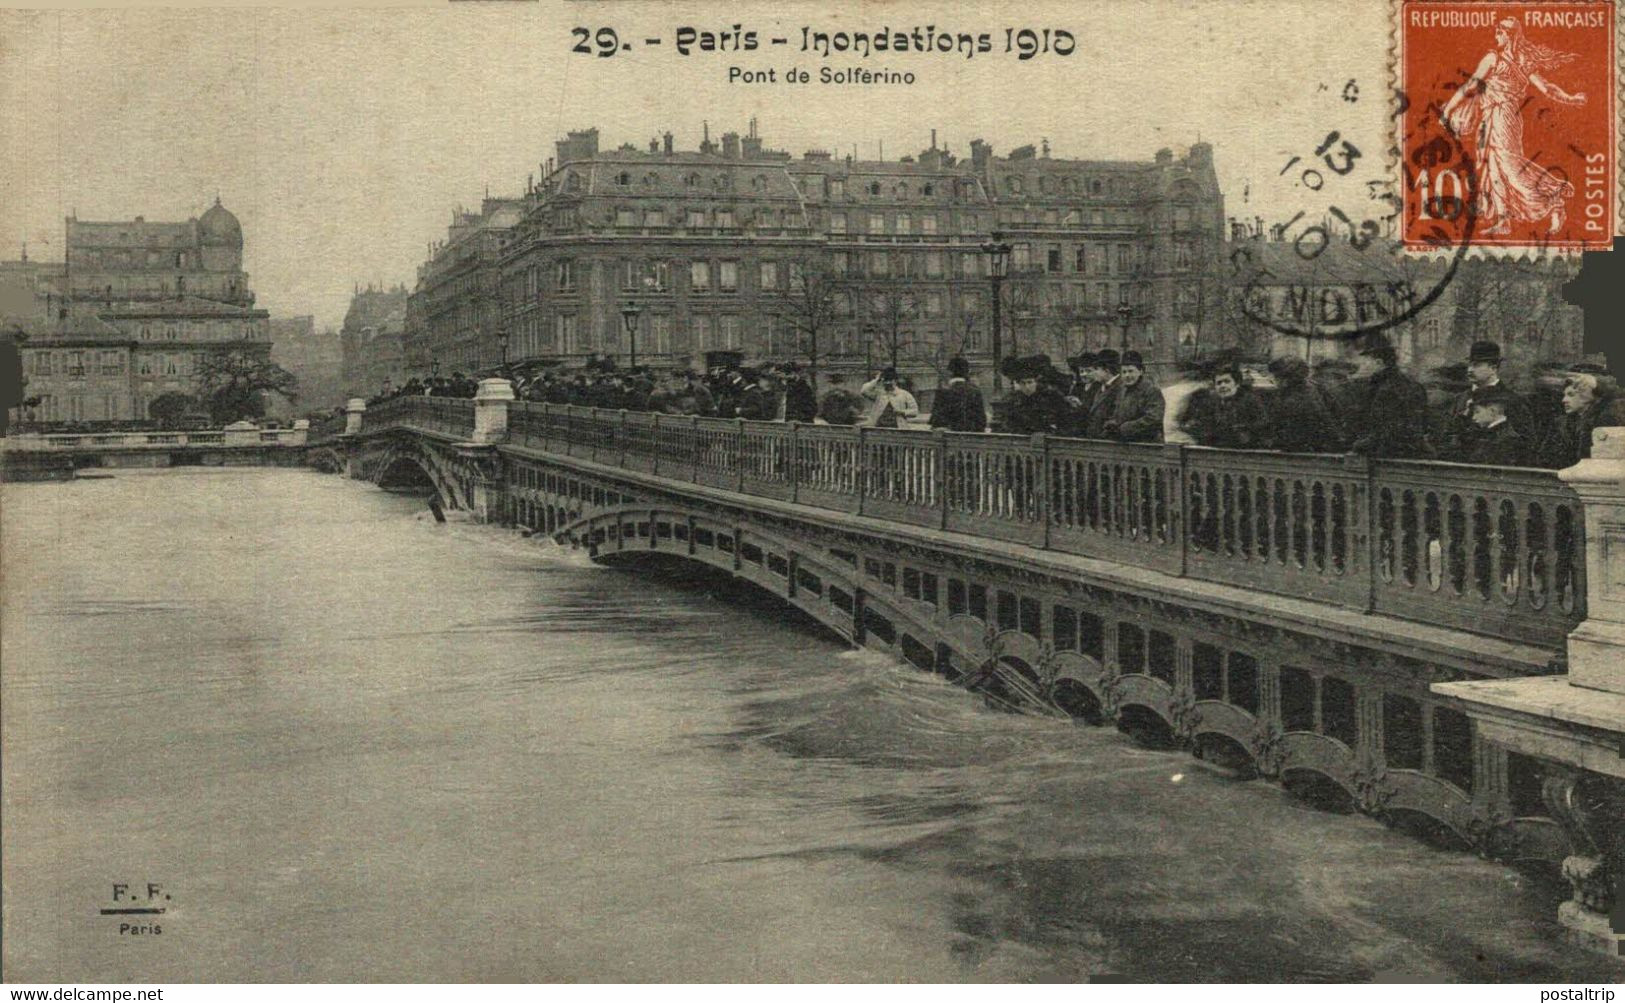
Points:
[(1483, 374)]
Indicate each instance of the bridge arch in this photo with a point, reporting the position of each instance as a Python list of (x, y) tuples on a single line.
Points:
[(403, 460), (325, 459), (823, 587)]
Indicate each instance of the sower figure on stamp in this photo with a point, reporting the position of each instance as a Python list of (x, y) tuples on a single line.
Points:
[(1489, 107)]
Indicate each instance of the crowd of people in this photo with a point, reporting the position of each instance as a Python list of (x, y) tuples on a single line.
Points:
[(1370, 406), (1462, 414)]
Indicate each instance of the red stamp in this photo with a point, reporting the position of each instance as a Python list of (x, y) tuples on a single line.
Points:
[(1508, 124)]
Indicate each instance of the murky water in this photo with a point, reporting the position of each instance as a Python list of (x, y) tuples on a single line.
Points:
[(350, 743)]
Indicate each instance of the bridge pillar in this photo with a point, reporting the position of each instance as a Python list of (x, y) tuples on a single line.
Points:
[(1575, 723), (354, 408), (491, 410)]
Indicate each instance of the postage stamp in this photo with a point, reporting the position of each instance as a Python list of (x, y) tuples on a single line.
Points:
[(1507, 127)]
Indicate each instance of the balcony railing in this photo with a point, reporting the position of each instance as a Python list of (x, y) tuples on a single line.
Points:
[(1493, 551)]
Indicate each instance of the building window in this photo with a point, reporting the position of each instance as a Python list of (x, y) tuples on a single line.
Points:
[(699, 276), (659, 275), (1053, 258), (111, 365), (933, 265), (837, 222), (970, 265), (660, 333), (691, 180), (728, 276), (725, 217), (1012, 185), (767, 219), (1021, 256), (730, 333), (769, 275), (880, 264), (874, 188), (1182, 255), (626, 217), (837, 188), (565, 332), (171, 332), (933, 303), (696, 219), (928, 189), (928, 224), (704, 329), (877, 222), (566, 275), (654, 217), (904, 223), (42, 363), (146, 365)]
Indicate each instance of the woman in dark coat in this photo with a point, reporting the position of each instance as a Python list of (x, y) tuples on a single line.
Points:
[(1302, 418)]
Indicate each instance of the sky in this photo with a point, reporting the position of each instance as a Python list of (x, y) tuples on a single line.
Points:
[(344, 139)]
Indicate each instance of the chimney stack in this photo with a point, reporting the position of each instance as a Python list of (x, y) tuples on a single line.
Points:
[(666, 142)]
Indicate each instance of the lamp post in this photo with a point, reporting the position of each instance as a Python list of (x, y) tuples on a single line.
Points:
[(502, 345), (998, 257), (1125, 314), (629, 316)]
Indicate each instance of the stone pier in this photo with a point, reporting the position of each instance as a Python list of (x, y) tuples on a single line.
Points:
[(1574, 724)]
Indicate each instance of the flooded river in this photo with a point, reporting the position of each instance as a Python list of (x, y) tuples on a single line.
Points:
[(347, 742)]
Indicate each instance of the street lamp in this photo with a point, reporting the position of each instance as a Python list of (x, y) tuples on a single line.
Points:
[(629, 315), (502, 345), (998, 258), (1125, 314)]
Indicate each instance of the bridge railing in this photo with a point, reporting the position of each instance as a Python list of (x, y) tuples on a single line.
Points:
[(1496, 551), (447, 415), (108, 441)]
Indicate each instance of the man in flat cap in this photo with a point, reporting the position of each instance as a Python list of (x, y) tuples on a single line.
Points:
[(1483, 373), (1107, 382), (1391, 417), (1080, 394), (1136, 407), (1494, 441)]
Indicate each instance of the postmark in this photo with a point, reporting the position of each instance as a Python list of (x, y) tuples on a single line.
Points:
[(1338, 270), (1525, 93)]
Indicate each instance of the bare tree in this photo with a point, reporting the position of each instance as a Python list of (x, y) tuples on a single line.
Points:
[(893, 310), (807, 304)]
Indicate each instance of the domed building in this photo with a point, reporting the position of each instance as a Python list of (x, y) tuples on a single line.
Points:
[(221, 237), (160, 294)]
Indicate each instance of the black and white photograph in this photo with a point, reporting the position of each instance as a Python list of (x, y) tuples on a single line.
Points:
[(912, 493)]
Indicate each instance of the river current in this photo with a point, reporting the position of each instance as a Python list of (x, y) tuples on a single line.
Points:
[(350, 743)]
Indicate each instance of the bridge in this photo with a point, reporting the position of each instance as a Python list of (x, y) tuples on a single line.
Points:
[(52, 456), (1394, 637)]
